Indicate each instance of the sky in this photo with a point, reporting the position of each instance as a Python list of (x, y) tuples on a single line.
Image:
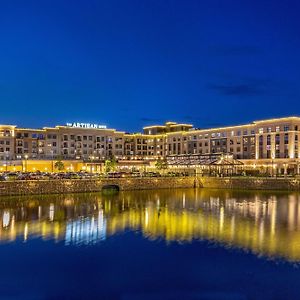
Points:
[(133, 63)]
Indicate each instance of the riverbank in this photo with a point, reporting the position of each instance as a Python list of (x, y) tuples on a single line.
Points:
[(250, 183), (65, 186)]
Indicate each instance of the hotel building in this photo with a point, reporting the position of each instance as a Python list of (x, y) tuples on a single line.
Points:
[(259, 144)]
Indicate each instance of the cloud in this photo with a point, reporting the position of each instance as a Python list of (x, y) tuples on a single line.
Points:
[(243, 87), (237, 89), (146, 119)]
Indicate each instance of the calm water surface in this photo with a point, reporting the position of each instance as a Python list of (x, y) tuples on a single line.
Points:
[(160, 244)]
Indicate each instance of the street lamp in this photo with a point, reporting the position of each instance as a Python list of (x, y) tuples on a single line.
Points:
[(26, 158), (92, 159), (272, 160), (52, 166), (6, 159)]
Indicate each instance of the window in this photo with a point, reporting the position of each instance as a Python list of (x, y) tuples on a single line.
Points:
[(286, 128), (260, 130), (269, 129), (277, 129), (286, 138)]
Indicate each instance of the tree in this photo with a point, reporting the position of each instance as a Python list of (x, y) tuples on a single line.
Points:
[(110, 165), (161, 164), (59, 165)]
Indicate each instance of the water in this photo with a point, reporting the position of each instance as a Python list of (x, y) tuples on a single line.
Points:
[(160, 244)]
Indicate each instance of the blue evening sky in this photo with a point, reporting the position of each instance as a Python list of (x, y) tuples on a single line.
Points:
[(131, 63)]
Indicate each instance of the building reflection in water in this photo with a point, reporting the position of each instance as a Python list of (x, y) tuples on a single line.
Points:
[(265, 223)]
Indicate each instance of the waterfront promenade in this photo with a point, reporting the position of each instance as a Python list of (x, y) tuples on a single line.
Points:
[(64, 186)]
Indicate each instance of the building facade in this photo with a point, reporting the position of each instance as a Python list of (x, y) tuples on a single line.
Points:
[(273, 141)]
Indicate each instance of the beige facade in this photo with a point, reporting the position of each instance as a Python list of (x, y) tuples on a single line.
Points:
[(268, 141)]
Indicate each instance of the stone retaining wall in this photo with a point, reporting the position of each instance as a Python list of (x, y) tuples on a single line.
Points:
[(77, 186), (80, 186), (249, 183)]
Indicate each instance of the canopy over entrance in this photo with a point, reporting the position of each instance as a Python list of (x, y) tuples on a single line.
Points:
[(216, 159)]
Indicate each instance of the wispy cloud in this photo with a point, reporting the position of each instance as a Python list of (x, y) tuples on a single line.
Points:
[(242, 87), (237, 89), (146, 119)]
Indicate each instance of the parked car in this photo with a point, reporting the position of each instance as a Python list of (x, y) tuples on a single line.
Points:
[(151, 174), (11, 176), (2, 178)]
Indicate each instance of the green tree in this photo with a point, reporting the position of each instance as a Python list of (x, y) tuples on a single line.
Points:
[(59, 165), (110, 165), (161, 164)]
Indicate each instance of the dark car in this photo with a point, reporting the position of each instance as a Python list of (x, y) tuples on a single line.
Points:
[(2, 178)]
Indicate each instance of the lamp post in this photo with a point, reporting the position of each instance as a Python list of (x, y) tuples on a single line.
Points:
[(92, 159), (6, 159), (26, 158), (272, 161), (52, 166)]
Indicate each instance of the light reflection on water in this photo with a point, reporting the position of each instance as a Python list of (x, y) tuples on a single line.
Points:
[(266, 223)]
